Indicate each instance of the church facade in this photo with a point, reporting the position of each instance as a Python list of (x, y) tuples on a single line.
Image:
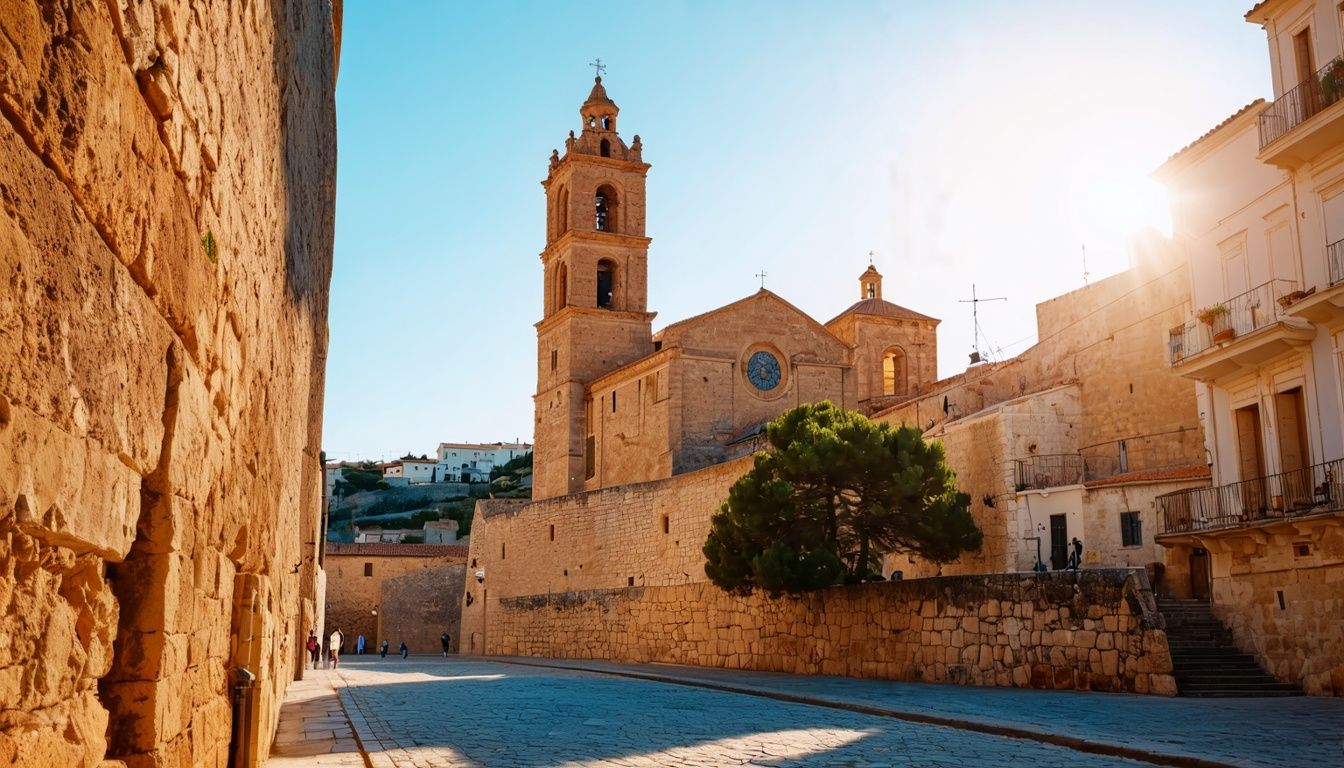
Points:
[(617, 403)]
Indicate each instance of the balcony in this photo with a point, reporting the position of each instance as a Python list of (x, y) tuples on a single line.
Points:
[(1038, 473), (1306, 120), (1325, 307), (1311, 491), (1253, 328)]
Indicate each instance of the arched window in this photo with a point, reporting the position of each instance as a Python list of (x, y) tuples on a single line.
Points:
[(561, 287), (606, 124), (872, 291), (604, 209), (605, 148), (606, 283), (562, 212), (893, 372)]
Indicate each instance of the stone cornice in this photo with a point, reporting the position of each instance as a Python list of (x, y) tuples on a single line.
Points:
[(638, 166), (568, 312), (593, 236)]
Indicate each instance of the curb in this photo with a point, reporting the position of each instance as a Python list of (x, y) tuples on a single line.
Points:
[(1070, 742)]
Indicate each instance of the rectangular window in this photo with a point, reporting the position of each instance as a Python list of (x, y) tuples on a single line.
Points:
[(555, 356), (613, 401), (368, 569), (1131, 529), (590, 458)]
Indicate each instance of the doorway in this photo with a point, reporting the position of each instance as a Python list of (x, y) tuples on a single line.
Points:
[(1199, 573), (1250, 461), (1059, 542)]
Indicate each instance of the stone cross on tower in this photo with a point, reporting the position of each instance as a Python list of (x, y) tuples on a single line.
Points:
[(598, 67)]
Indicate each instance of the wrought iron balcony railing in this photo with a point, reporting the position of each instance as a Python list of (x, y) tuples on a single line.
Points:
[(1240, 315), (1318, 488), (1302, 102), (1049, 471)]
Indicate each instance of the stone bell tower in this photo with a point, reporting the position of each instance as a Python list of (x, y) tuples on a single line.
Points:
[(595, 264)]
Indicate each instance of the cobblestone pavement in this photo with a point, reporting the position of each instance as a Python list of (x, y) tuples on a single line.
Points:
[(1288, 732), (313, 728), (432, 713)]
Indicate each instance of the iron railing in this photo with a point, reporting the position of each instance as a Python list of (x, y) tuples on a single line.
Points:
[(1334, 253), (1049, 471), (1318, 488), (1248, 312), (1143, 453), (1302, 102)]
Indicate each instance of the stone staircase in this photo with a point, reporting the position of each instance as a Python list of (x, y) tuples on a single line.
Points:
[(1205, 660)]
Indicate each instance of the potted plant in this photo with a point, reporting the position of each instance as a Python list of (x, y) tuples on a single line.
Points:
[(1217, 317), (1332, 82), (1211, 314)]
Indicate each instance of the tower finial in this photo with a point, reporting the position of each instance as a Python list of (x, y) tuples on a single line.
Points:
[(599, 68)]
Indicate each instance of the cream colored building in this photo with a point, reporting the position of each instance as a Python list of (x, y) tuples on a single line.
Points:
[(1258, 209), (1076, 436)]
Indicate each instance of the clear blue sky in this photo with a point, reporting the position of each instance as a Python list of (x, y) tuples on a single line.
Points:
[(962, 142)]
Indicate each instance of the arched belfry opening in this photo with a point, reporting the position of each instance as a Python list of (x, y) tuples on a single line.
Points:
[(561, 298), (562, 211), (605, 208), (606, 284), (604, 148), (894, 377)]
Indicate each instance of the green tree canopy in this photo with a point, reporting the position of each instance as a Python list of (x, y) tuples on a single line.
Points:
[(834, 494)]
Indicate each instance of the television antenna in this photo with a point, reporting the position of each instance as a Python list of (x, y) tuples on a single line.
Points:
[(974, 301)]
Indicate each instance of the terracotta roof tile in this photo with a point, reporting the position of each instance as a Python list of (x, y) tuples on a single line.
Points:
[(1215, 129), (881, 308), (1153, 475)]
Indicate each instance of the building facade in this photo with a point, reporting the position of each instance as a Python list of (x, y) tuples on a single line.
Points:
[(1258, 209)]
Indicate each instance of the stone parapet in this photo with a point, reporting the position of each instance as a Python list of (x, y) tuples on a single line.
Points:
[(1095, 630)]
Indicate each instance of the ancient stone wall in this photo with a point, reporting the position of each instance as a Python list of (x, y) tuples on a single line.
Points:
[(1098, 630), (631, 535), (419, 607), (356, 575), (167, 175)]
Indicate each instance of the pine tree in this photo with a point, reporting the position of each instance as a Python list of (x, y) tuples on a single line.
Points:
[(834, 494)]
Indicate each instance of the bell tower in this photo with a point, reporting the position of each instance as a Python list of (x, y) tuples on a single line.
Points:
[(595, 277)]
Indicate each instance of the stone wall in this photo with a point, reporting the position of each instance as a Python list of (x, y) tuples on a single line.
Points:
[(632, 535), (1098, 630), (167, 175), (356, 575), (419, 607)]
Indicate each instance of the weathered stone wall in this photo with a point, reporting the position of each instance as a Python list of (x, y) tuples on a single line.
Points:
[(1098, 630), (641, 534), (166, 202), (352, 596), (419, 607)]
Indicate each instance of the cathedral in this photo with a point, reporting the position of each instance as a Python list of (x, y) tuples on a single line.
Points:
[(617, 403)]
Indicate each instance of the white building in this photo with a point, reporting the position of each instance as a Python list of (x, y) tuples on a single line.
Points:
[(412, 471), (472, 462), (1258, 207)]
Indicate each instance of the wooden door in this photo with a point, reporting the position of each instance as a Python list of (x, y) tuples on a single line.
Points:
[(1289, 418), (1199, 573), (1059, 542)]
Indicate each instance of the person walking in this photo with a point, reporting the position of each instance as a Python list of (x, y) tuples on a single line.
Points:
[(359, 646), (382, 648), (314, 649), (404, 650), (447, 641), (335, 642)]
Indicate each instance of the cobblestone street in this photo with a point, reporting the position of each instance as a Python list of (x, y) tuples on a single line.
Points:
[(429, 712)]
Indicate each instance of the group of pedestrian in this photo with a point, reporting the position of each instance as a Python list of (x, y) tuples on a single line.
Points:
[(336, 647)]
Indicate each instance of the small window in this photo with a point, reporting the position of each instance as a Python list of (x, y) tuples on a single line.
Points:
[(613, 401), (552, 533), (1301, 549), (1131, 529), (555, 356), (501, 550), (589, 459), (606, 284), (666, 524), (630, 581), (368, 569), (605, 147)]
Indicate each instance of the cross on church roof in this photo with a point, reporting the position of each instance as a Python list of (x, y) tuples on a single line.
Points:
[(762, 275), (870, 258), (598, 67)]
